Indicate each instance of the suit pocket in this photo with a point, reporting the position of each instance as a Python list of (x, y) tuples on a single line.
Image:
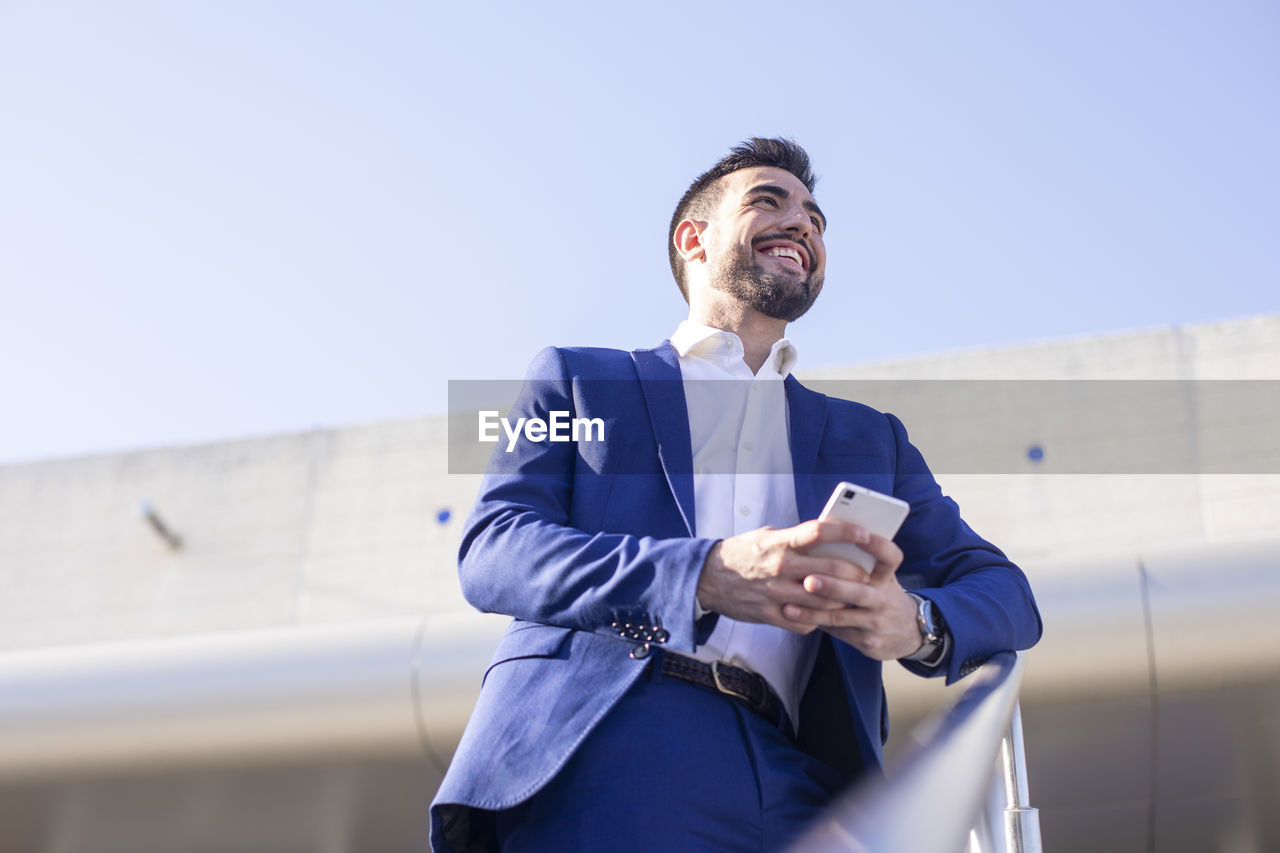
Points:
[(528, 640)]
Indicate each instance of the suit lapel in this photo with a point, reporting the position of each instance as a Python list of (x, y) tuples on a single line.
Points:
[(859, 675), (663, 387), (807, 417)]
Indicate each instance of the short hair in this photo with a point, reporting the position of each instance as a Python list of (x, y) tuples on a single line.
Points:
[(704, 193)]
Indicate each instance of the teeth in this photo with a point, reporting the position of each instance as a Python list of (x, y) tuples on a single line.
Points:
[(780, 252)]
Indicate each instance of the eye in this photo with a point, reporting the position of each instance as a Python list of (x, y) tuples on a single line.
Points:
[(767, 199)]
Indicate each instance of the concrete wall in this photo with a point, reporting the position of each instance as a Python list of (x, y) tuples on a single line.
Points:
[(1037, 515), (351, 523), (290, 529)]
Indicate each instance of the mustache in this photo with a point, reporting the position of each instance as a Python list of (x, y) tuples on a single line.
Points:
[(790, 238)]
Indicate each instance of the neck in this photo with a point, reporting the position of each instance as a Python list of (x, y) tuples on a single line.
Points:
[(757, 332)]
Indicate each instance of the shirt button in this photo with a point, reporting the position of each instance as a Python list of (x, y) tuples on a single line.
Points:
[(745, 510), (748, 446)]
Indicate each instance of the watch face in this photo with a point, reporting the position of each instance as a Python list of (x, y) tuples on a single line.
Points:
[(926, 616), (936, 621)]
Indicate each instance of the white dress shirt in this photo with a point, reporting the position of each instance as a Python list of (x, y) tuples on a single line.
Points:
[(742, 480)]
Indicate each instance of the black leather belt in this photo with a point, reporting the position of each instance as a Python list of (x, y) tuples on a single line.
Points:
[(737, 683)]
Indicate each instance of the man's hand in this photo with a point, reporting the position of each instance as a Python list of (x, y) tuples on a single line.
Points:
[(875, 615), (768, 576)]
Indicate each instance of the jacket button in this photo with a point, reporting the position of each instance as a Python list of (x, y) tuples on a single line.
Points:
[(640, 652)]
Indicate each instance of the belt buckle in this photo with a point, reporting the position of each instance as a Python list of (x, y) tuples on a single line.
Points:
[(715, 675)]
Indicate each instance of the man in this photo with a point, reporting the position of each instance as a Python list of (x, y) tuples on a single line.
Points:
[(682, 673)]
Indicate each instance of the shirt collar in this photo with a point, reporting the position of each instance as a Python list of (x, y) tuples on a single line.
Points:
[(694, 340)]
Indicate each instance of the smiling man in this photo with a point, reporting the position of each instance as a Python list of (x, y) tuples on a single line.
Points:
[(761, 231), (682, 673)]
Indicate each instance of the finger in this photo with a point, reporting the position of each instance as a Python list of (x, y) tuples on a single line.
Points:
[(814, 533), (795, 627), (801, 566), (819, 534), (772, 614), (888, 558), (778, 591), (795, 567), (845, 617), (875, 619), (850, 593)]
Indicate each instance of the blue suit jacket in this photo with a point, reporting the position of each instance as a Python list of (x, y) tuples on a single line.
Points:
[(577, 539)]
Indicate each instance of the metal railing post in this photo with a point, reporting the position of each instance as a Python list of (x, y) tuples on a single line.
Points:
[(1021, 822)]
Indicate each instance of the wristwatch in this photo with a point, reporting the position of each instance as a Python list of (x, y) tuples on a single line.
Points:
[(933, 628)]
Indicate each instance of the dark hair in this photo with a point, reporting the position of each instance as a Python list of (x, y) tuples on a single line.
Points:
[(704, 193)]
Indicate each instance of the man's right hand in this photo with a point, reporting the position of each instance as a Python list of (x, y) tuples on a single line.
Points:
[(751, 576)]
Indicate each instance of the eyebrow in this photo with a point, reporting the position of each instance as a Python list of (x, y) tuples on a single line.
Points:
[(775, 190)]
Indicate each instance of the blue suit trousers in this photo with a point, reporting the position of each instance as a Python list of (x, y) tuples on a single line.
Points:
[(675, 767)]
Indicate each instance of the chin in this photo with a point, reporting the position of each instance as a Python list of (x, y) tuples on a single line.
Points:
[(789, 301), (780, 295)]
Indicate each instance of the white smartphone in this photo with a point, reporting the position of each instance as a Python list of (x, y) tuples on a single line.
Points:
[(875, 512)]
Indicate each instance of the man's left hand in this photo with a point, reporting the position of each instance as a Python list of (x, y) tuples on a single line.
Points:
[(880, 619)]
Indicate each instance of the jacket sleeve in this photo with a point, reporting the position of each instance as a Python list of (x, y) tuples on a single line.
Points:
[(522, 555), (984, 598)]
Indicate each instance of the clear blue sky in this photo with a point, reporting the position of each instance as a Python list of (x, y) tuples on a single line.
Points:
[(226, 219)]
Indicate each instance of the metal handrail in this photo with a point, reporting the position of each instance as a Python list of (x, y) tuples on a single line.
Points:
[(948, 786), (387, 687)]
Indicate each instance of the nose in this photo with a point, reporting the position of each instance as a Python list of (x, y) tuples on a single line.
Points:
[(799, 221)]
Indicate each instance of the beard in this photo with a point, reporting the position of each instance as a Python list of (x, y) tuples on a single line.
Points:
[(780, 295)]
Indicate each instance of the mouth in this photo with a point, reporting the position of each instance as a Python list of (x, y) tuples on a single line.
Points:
[(791, 255)]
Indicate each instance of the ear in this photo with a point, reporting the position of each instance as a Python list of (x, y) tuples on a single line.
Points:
[(688, 239)]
